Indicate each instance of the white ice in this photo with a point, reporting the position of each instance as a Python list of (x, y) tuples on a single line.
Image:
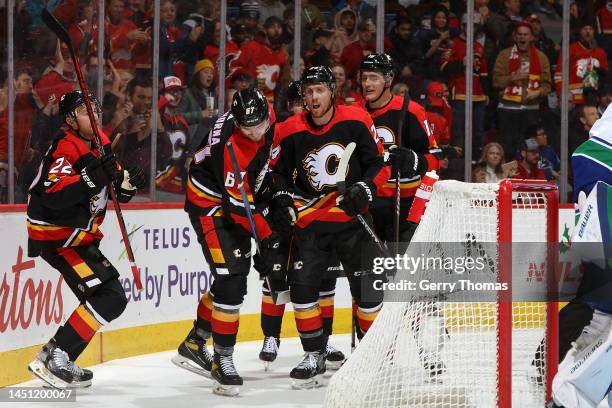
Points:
[(152, 381)]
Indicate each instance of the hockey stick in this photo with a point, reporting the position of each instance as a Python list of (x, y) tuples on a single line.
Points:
[(341, 184), (400, 128), (62, 34), (279, 297)]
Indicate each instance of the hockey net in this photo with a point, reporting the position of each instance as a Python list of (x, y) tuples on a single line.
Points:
[(449, 351)]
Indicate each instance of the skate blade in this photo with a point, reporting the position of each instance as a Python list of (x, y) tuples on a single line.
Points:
[(37, 368), (187, 364), (226, 390), (267, 365), (314, 382)]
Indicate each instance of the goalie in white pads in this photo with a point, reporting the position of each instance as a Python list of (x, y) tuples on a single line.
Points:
[(585, 374)]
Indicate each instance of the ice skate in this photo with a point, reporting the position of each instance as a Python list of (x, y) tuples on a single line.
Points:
[(269, 351), (53, 366), (227, 379), (309, 372), (194, 356)]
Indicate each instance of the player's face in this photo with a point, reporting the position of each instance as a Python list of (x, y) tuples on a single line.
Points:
[(82, 122), (318, 99), (372, 85), (257, 132)]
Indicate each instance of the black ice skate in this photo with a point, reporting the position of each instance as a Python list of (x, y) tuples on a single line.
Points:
[(269, 351), (194, 356), (334, 358), (309, 372), (53, 366), (227, 379)]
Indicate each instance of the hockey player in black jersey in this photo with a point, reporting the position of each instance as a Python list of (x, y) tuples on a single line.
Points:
[(218, 216), (66, 206), (271, 313), (415, 154), (304, 160)]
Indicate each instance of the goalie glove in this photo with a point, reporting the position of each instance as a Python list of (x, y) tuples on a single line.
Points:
[(356, 199), (99, 173), (127, 186)]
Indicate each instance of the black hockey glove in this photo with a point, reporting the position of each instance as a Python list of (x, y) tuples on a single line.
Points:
[(355, 199), (99, 173), (127, 186), (272, 258), (405, 159), (283, 212)]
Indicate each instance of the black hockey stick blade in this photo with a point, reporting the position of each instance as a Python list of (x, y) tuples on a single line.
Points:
[(57, 27)]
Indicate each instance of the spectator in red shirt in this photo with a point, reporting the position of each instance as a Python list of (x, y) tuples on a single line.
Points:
[(588, 64), (437, 94), (453, 64), (122, 35), (356, 51), (265, 61), (526, 167)]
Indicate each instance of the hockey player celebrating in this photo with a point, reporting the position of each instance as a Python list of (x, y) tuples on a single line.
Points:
[(218, 216), (583, 378), (66, 207), (413, 156), (271, 313), (410, 157), (304, 161)]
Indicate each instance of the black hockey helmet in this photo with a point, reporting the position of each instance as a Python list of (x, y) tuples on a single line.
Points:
[(73, 99), (378, 63), (249, 107), (294, 91), (320, 74)]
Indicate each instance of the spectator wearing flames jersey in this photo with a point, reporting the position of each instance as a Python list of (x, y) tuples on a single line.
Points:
[(264, 61), (175, 139), (588, 64), (522, 78), (453, 64)]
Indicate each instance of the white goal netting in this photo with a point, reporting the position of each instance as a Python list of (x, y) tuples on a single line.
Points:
[(441, 350)]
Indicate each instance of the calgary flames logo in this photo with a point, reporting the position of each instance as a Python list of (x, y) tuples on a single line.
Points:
[(97, 203), (269, 73), (386, 135), (321, 165)]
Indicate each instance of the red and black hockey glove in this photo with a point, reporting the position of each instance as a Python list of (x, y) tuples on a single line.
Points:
[(405, 159), (272, 257), (356, 199), (283, 212), (100, 172), (127, 186)]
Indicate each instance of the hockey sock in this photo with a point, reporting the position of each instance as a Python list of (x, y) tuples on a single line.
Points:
[(366, 316), (326, 303), (308, 317), (225, 321), (204, 315), (271, 316), (74, 336)]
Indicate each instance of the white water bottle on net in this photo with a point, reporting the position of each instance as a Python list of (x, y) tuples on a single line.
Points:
[(460, 348)]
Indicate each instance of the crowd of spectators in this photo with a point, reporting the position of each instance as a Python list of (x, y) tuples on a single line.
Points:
[(516, 78)]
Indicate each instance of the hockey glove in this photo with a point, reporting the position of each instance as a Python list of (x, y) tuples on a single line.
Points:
[(355, 199), (272, 258), (405, 159), (99, 173), (126, 187), (283, 212)]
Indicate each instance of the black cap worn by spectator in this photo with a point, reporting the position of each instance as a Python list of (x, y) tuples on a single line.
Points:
[(272, 20), (249, 9), (322, 32)]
